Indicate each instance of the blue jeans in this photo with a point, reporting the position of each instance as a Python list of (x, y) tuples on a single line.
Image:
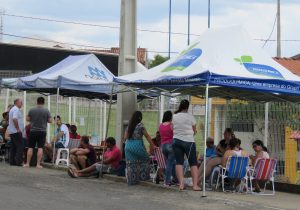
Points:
[(169, 154)]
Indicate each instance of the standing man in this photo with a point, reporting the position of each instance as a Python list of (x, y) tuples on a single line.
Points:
[(61, 138), (38, 118), (15, 129)]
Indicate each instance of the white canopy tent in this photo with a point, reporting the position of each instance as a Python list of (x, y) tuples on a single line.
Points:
[(221, 63)]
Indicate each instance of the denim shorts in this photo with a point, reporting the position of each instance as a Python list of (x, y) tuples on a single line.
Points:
[(182, 148)]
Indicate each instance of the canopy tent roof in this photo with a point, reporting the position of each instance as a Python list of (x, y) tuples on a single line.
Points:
[(80, 76), (229, 61)]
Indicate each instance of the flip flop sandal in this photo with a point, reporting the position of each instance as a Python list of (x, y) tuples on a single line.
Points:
[(71, 173)]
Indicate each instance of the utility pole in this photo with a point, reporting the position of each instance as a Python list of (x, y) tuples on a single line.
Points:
[(2, 11), (189, 21), (170, 22), (126, 103), (208, 14), (278, 30)]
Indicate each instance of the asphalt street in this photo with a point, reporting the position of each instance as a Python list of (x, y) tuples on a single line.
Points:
[(29, 189)]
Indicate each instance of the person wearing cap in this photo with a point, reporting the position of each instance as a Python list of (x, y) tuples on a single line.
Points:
[(61, 138)]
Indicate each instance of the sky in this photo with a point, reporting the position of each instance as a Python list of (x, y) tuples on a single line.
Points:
[(256, 16)]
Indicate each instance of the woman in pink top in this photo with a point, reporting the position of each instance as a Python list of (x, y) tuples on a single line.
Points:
[(166, 134)]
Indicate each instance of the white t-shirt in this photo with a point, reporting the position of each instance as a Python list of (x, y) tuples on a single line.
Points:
[(65, 138), (182, 126)]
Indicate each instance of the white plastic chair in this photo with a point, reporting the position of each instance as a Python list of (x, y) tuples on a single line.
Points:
[(62, 156)]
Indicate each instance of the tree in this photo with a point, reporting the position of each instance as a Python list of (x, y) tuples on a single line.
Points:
[(158, 59)]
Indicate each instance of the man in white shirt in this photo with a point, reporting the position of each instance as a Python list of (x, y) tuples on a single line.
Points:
[(60, 140), (15, 129)]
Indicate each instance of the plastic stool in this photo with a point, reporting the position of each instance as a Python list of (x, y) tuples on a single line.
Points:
[(62, 156)]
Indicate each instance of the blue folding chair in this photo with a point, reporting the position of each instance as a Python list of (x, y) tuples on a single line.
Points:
[(236, 168)]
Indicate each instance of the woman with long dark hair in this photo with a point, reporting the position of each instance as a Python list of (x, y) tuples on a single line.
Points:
[(260, 150), (166, 135), (184, 128), (137, 158)]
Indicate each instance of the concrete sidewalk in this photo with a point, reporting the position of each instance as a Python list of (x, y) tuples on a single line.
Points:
[(279, 201)]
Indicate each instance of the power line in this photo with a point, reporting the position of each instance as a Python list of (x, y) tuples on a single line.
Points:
[(117, 27), (93, 25), (269, 37), (73, 44)]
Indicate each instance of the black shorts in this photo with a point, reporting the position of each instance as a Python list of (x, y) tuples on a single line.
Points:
[(37, 138), (182, 148)]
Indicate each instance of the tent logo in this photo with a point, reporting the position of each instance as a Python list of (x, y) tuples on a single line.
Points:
[(184, 60), (259, 69), (95, 73)]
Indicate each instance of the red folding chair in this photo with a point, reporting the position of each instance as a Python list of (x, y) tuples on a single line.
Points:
[(263, 170), (161, 162)]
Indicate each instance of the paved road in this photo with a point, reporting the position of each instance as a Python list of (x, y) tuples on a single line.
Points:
[(40, 189)]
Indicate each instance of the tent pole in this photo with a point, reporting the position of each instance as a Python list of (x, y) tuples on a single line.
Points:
[(205, 137), (24, 106), (6, 99), (70, 110), (48, 125), (101, 121), (109, 111), (162, 106), (266, 124), (104, 120), (88, 119), (56, 113)]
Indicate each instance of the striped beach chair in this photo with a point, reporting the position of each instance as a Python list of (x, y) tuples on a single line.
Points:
[(236, 168), (161, 162), (263, 170)]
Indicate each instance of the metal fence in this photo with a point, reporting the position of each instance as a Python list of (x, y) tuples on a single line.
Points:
[(248, 119)]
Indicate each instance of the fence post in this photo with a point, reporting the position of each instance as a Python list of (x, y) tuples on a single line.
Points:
[(70, 110), (6, 99)]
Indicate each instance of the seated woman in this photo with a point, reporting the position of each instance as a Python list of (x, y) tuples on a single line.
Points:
[(156, 142), (261, 152), (83, 156), (233, 150), (112, 157), (73, 132), (215, 161)]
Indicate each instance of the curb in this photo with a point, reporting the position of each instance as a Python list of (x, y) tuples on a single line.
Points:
[(112, 177), (141, 183), (53, 166)]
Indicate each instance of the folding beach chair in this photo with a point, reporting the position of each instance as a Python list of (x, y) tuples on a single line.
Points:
[(236, 168), (161, 162), (263, 170)]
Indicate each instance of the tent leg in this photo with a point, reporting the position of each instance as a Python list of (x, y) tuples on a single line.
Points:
[(56, 113), (162, 103), (109, 112), (266, 124), (101, 121), (24, 106), (205, 137), (48, 125), (104, 121)]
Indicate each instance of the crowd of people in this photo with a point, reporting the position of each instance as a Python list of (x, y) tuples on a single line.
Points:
[(175, 138)]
